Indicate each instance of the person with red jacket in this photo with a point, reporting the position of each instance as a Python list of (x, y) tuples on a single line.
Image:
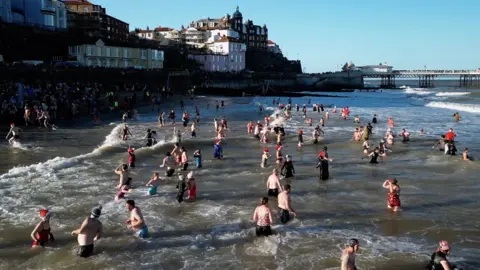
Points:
[(450, 135)]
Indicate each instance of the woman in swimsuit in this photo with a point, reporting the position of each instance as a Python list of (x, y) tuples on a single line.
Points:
[(191, 187), (393, 198), (124, 190), (42, 232), (263, 217), (125, 132)]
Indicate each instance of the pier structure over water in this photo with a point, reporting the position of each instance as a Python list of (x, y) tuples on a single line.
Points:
[(426, 78)]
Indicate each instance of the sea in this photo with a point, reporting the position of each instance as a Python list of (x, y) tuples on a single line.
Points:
[(71, 170)]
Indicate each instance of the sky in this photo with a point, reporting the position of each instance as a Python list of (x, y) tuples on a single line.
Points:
[(324, 34)]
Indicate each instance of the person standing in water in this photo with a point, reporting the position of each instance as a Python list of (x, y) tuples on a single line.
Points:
[(285, 205), (124, 189), (131, 157), (149, 137), (161, 119), (197, 155), (287, 169), (440, 144), (265, 157), (152, 184), (194, 128), (457, 117), (300, 138), (348, 255), (438, 260), (181, 188), (279, 155), (273, 184), (263, 217), (122, 171), (136, 221), (168, 162), (191, 187), (374, 119), (323, 166), (90, 231), (184, 158), (393, 198), (405, 135), (125, 117), (15, 132), (374, 155), (217, 150), (42, 233), (125, 132)]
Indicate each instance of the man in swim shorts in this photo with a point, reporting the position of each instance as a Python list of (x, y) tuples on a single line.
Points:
[(284, 203), (89, 232), (136, 221), (273, 184), (15, 132)]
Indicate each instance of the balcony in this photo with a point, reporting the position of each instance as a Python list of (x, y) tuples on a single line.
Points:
[(48, 9)]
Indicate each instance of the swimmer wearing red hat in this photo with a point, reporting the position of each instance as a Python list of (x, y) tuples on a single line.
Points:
[(131, 157), (266, 155), (279, 154), (42, 232)]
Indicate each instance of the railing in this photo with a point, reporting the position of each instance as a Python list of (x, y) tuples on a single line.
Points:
[(460, 71)]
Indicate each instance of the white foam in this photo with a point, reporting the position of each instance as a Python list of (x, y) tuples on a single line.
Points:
[(417, 91), (455, 106), (452, 94)]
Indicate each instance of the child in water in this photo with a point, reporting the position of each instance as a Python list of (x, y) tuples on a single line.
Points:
[(198, 158), (153, 184), (265, 157), (124, 189)]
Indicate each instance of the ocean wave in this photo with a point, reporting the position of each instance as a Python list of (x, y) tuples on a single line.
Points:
[(452, 94), (417, 91), (473, 108)]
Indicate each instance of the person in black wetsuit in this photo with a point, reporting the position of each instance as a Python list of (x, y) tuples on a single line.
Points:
[(374, 119), (438, 260), (181, 188), (149, 138), (323, 165), (287, 169)]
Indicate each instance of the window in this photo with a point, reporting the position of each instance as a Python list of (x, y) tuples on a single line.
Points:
[(125, 53), (240, 59), (99, 62), (85, 9), (125, 63), (108, 63), (89, 50), (213, 67), (89, 62), (107, 52), (99, 51)]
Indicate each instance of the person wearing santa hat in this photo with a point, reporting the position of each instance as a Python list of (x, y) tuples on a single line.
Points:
[(191, 187), (265, 157), (217, 150), (42, 232), (131, 157), (279, 154)]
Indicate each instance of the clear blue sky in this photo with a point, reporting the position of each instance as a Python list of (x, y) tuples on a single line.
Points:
[(408, 34)]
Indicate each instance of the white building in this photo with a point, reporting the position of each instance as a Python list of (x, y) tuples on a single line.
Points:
[(216, 34), (374, 69), (6, 11), (223, 55), (100, 55), (195, 37), (273, 47)]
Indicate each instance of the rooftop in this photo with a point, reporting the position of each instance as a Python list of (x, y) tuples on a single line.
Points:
[(76, 2), (227, 39), (271, 42)]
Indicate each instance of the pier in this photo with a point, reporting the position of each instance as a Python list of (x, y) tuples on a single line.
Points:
[(426, 78)]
